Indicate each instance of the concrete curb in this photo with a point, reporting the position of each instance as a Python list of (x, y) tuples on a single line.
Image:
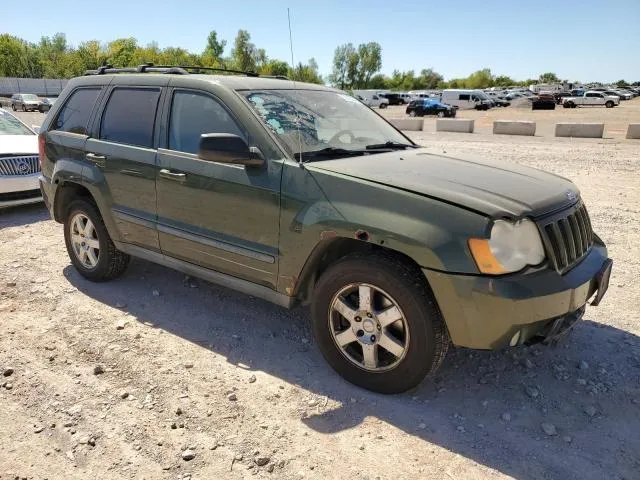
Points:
[(454, 125), (633, 131), (408, 124), (511, 127), (582, 130)]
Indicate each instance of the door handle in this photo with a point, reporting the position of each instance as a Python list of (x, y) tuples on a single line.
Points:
[(176, 177)]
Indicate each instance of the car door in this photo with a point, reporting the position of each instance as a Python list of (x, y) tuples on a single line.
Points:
[(220, 216), (124, 149)]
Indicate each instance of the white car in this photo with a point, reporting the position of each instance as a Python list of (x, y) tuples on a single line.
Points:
[(19, 165)]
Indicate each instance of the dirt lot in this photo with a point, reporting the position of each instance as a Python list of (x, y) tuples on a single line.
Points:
[(615, 119), (239, 382)]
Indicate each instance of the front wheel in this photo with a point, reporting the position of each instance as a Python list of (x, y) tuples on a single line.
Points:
[(412, 113), (89, 245), (377, 323), (609, 104), (383, 105), (13, 107), (441, 114)]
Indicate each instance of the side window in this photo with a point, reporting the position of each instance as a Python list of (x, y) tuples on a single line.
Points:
[(464, 96), (130, 115), (74, 116), (193, 114)]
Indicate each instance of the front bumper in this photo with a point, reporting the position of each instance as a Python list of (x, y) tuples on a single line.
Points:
[(19, 190), (487, 312)]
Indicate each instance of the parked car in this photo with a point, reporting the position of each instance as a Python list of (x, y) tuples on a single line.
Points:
[(19, 166), (46, 104), (25, 102), (372, 100), (466, 99), (420, 108), (500, 102), (623, 94), (591, 99), (544, 101), (295, 192), (560, 95), (394, 98)]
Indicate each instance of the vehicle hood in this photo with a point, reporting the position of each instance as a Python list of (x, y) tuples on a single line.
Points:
[(491, 187), (18, 144)]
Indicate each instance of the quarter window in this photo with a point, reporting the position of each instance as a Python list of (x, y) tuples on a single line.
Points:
[(464, 96), (193, 114), (130, 116), (74, 116)]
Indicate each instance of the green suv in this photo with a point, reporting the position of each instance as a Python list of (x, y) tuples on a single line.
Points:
[(301, 194)]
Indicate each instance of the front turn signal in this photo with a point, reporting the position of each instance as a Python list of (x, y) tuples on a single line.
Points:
[(485, 260)]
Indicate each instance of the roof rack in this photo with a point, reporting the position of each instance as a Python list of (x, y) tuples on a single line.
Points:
[(170, 69)]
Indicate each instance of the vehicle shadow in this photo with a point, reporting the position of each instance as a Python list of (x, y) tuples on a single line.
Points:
[(486, 406), (23, 215)]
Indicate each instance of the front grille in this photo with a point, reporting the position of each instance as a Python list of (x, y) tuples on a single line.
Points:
[(24, 195), (567, 237), (23, 165)]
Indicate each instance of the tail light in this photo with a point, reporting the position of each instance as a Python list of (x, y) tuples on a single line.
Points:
[(41, 149)]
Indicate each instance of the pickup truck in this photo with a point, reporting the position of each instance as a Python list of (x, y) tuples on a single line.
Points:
[(591, 99)]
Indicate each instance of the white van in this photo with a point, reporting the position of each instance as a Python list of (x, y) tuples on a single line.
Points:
[(371, 98), (466, 99)]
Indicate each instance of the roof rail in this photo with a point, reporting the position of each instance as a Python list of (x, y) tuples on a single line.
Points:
[(211, 69), (171, 69), (145, 68)]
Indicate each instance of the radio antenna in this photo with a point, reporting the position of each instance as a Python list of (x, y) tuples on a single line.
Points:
[(293, 71)]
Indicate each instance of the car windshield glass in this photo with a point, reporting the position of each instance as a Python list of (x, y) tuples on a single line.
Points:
[(314, 120), (10, 125), (29, 96)]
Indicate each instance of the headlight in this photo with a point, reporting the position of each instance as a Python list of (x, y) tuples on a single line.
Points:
[(511, 247)]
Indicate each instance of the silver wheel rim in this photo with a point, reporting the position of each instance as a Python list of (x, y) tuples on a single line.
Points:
[(368, 327), (84, 240)]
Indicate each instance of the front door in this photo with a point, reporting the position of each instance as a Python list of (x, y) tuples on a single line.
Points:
[(221, 216), (124, 151)]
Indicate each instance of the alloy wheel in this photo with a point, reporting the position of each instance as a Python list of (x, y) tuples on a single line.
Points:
[(84, 240)]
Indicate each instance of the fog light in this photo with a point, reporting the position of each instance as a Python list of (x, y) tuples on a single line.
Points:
[(515, 339)]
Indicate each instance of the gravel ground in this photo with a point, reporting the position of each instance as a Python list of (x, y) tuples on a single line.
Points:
[(160, 376)]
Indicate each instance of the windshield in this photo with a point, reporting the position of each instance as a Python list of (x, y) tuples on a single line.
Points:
[(313, 120), (29, 96), (10, 125)]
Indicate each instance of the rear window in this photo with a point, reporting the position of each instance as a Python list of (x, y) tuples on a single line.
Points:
[(74, 116), (130, 116)]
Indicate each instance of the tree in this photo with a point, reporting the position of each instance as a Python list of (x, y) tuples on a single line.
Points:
[(91, 54), (503, 81), (215, 47), (244, 52), (621, 83), (12, 60), (341, 63), (429, 79), (480, 79), (369, 62), (549, 77), (120, 52), (307, 73), (275, 68)]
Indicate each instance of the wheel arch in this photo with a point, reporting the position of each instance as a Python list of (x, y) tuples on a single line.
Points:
[(329, 251)]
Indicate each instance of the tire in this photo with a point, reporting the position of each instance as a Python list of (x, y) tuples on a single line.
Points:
[(609, 104), (412, 113), (111, 263), (424, 342), (24, 107), (440, 114), (383, 105)]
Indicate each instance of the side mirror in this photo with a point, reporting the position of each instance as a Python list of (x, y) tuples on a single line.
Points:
[(228, 148), (35, 128)]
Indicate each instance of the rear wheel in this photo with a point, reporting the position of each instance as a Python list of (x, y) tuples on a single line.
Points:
[(441, 114), (377, 323), (609, 104), (89, 245), (412, 113), (383, 105)]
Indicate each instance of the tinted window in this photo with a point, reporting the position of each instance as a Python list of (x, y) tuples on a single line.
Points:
[(464, 96), (193, 114), (129, 116), (74, 116)]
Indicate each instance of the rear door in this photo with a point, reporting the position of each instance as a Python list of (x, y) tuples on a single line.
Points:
[(124, 149)]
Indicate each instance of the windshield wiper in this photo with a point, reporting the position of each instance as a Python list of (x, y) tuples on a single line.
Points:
[(328, 152), (393, 145)]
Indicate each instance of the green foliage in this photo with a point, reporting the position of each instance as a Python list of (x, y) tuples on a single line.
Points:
[(244, 54), (621, 83), (215, 47), (548, 77), (353, 68)]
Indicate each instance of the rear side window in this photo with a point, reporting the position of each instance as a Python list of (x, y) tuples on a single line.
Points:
[(74, 116), (464, 96), (193, 114), (130, 115)]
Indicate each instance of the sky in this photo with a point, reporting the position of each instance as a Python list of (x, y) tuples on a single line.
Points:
[(575, 40)]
